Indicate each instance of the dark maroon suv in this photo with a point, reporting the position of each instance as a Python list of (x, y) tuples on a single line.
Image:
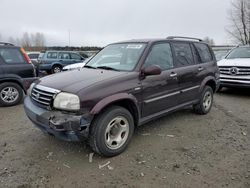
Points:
[(125, 85)]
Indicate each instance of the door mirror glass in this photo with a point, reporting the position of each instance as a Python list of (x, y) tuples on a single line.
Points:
[(151, 70)]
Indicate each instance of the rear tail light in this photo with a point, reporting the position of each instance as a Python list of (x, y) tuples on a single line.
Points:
[(25, 55)]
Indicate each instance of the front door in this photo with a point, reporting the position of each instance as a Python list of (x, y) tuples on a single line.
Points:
[(160, 92)]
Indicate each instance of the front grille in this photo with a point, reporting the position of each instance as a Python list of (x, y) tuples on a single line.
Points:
[(229, 70), (43, 96)]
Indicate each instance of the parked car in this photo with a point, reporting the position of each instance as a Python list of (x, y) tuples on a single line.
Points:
[(219, 55), (16, 74), (54, 61), (34, 59), (235, 68), (76, 65), (104, 101)]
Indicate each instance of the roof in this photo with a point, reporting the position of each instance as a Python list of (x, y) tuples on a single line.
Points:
[(149, 40)]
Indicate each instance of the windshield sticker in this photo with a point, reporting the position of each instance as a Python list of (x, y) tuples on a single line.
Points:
[(134, 46)]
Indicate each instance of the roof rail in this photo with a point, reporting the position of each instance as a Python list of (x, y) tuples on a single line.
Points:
[(6, 43), (178, 37)]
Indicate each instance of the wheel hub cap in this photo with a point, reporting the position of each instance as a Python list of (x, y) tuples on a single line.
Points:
[(116, 132), (207, 100), (9, 94)]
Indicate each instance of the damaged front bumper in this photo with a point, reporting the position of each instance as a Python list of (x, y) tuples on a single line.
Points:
[(65, 126)]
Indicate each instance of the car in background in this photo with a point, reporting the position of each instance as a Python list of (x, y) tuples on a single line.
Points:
[(54, 61), (235, 68), (34, 59), (221, 54), (16, 74), (125, 85), (76, 65)]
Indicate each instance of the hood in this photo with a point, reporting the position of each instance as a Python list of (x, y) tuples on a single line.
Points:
[(76, 80), (74, 66), (241, 62)]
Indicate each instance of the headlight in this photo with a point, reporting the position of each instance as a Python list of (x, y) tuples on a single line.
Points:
[(67, 101), (30, 89)]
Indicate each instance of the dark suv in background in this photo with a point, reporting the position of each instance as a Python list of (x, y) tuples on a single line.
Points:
[(16, 74), (54, 61), (125, 85)]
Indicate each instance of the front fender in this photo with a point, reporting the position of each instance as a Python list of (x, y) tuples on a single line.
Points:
[(112, 99)]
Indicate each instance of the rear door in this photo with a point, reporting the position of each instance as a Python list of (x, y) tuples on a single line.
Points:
[(64, 58), (160, 92), (15, 63), (186, 71)]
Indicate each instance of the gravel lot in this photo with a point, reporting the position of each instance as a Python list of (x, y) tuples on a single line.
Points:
[(180, 150)]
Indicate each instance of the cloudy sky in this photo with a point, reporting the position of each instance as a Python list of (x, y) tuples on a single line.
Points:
[(99, 22)]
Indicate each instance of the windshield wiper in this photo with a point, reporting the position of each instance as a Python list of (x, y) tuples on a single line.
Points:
[(107, 68), (88, 66)]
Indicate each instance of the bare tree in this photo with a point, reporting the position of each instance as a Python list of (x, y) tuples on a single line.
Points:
[(39, 40), (0, 37), (239, 29), (210, 41), (25, 40)]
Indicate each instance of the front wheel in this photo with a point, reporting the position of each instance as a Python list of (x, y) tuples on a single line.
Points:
[(206, 101), (111, 131)]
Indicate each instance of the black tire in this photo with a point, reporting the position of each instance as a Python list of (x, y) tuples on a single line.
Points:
[(15, 88), (202, 108), (56, 69), (99, 136)]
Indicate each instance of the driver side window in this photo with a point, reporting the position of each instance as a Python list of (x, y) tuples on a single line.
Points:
[(160, 55)]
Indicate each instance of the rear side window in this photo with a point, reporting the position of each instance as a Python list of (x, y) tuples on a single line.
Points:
[(160, 55), (11, 56), (75, 56), (52, 55), (204, 52), (63, 55), (183, 54)]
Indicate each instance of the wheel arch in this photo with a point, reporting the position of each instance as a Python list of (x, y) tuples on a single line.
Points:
[(209, 81), (13, 80), (124, 100)]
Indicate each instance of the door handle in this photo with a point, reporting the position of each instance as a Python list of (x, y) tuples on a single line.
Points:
[(200, 69), (173, 74)]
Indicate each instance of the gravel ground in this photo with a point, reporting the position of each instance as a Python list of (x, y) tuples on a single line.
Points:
[(179, 150)]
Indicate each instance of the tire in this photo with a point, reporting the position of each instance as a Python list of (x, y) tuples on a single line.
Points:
[(56, 69), (10, 94), (113, 121), (206, 101)]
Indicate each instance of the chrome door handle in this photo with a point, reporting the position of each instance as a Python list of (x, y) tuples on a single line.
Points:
[(173, 75), (200, 69)]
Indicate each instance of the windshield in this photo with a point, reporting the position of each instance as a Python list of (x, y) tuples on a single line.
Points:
[(120, 57), (243, 52)]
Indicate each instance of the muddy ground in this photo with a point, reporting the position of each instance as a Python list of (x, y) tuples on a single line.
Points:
[(180, 150)]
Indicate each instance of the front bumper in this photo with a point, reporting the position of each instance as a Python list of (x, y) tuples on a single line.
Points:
[(225, 82), (64, 126)]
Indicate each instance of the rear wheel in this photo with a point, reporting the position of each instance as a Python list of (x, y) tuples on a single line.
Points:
[(10, 94), (206, 101), (111, 131), (56, 69)]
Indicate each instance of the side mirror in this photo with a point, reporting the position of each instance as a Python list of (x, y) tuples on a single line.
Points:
[(151, 70)]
